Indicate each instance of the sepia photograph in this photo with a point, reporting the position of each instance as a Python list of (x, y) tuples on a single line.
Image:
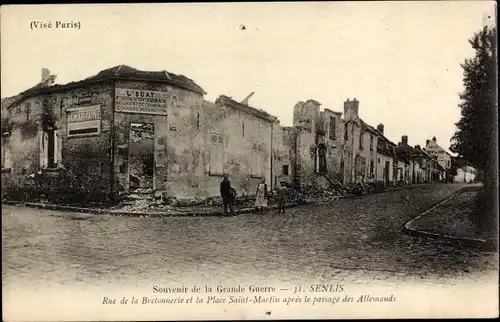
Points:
[(201, 161)]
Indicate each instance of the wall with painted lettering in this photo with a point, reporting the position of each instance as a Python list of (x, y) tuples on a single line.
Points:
[(77, 163), (195, 142), (172, 111)]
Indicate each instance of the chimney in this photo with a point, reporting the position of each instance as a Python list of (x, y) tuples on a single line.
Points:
[(427, 142), (351, 106), (245, 101), (434, 139), (380, 128), (45, 74), (404, 139)]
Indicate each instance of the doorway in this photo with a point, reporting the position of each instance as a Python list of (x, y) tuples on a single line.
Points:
[(141, 156), (386, 172)]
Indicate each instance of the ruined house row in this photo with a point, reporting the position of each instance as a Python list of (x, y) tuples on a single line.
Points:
[(125, 129)]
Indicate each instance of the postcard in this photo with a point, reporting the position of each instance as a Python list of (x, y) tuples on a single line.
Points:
[(200, 161)]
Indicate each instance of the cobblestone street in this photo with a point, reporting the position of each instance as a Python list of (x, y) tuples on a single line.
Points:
[(355, 240)]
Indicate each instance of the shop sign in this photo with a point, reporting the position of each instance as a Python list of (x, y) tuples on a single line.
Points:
[(84, 120), (140, 101)]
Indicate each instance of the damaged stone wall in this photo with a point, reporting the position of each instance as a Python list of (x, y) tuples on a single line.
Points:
[(184, 145), (241, 131), (183, 140), (290, 150), (165, 144), (20, 124), (282, 155), (87, 159), (306, 157), (82, 169), (334, 145), (350, 150), (306, 118), (309, 142)]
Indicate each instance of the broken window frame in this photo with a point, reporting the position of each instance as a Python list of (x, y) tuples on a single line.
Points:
[(332, 129)]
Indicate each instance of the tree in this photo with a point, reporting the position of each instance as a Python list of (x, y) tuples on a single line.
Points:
[(475, 140)]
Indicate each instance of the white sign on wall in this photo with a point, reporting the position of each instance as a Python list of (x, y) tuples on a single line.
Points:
[(140, 101), (84, 120)]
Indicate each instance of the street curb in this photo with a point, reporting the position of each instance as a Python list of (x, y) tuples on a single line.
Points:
[(465, 241), (100, 211), (218, 213)]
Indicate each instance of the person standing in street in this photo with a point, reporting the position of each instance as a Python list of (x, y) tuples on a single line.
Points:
[(261, 195), (227, 194), (281, 195)]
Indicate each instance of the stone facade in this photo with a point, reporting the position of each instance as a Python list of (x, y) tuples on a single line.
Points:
[(40, 144), (327, 148)]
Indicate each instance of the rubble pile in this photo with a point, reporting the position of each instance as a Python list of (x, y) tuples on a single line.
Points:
[(145, 199), (315, 192)]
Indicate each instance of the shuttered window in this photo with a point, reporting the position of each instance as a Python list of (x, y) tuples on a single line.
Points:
[(257, 160), (216, 154)]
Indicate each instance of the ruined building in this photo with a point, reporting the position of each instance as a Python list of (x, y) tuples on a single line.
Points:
[(125, 130), (326, 149)]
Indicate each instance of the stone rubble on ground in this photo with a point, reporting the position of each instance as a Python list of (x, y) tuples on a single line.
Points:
[(147, 200)]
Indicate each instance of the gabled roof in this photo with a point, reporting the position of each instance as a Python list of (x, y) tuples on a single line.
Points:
[(386, 148), (367, 127), (228, 101), (120, 72), (426, 154), (384, 145)]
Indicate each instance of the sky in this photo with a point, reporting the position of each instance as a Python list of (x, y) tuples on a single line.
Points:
[(401, 60)]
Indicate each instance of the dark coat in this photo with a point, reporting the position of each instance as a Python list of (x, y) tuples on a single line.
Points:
[(225, 189)]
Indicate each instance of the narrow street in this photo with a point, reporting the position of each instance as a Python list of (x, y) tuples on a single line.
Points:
[(354, 240)]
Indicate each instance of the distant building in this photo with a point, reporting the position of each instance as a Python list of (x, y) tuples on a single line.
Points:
[(386, 158), (315, 142), (406, 160), (443, 157), (465, 174), (326, 148)]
